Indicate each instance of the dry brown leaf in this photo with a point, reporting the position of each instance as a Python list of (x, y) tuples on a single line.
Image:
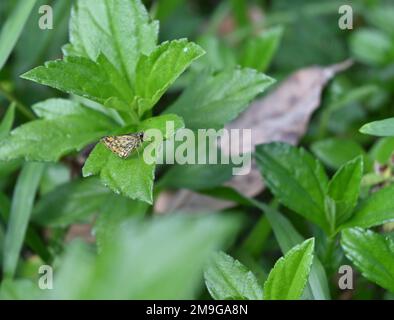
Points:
[(282, 115)]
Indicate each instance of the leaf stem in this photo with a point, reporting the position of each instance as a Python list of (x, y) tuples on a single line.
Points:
[(19, 105)]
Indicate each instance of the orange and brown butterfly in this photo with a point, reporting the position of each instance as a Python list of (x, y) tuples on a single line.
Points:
[(123, 145)]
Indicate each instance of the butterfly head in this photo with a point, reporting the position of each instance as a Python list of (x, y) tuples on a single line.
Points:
[(140, 136)]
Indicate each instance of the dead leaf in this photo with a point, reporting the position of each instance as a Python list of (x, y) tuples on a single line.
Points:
[(282, 115)]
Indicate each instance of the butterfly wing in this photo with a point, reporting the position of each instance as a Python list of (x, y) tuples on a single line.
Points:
[(122, 145)]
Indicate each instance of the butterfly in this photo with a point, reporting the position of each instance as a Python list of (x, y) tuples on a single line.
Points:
[(123, 145)]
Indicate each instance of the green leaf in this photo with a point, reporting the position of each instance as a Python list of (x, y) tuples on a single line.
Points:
[(22, 289), (7, 167), (335, 152), (287, 237), (146, 259), (22, 204), (289, 276), (258, 51), (212, 100), (344, 189), (382, 128), (380, 17), (353, 95), (120, 29), (115, 211), (55, 174), (7, 121), (98, 81), (372, 253), (382, 150), (156, 72), (54, 108), (13, 27), (70, 203), (371, 46), (131, 177), (375, 210), (295, 178), (227, 278), (218, 55), (37, 45), (49, 139), (196, 176)]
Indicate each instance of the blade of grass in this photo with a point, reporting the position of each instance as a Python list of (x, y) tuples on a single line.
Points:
[(21, 207), (2, 235), (13, 27), (4, 210), (7, 121)]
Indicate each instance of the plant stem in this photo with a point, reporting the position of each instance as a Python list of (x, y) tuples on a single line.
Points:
[(19, 105), (329, 250)]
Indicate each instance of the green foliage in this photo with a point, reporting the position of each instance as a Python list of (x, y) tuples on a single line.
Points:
[(134, 266), (383, 128), (336, 152), (59, 182), (223, 96), (227, 278), (13, 27), (343, 191), (18, 220), (116, 172), (372, 254), (296, 178), (287, 279), (375, 210), (69, 131), (258, 52)]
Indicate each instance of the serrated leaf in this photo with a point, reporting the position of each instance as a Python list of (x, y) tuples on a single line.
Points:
[(120, 29), (344, 189), (156, 72), (289, 276), (375, 210), (295, 178), (48, 140), (227, 278), (212, 100), (372, 253), (382, 128), (131, 177), (98, 81)]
